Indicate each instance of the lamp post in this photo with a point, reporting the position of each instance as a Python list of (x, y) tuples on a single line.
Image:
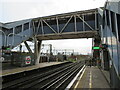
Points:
[(4, 35)]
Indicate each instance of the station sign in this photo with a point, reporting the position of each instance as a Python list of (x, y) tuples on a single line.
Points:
[(6, 48), (96, 48), (28, 60)]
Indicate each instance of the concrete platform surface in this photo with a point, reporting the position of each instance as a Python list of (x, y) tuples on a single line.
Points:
[(106, 74), (21, 69), (92, 78)]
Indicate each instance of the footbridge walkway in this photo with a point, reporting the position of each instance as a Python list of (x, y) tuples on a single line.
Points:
[(80, 24)]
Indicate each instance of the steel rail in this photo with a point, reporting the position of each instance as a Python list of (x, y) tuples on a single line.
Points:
[(18, 83), (58, 79), (62, 83), (30, 85), (61, 80), (52, 77)]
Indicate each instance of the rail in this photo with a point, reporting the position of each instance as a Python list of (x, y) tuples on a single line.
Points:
[(54, 77)]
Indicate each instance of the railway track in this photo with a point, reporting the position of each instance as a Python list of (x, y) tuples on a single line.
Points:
[(57, 78)]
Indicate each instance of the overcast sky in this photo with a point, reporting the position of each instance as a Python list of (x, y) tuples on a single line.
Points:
[(13, 10)]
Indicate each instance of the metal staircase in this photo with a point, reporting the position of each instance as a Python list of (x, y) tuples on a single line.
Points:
[(15, 33)]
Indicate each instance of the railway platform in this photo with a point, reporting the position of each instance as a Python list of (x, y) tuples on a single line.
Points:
[(13, 70), (92, 77)]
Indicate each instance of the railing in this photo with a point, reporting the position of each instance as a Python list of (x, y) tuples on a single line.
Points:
[(13, 38)]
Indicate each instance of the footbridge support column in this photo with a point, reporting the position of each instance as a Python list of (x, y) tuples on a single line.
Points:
[(96, 52), (37, 50)]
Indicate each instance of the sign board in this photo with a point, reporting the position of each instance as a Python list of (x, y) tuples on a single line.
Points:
[(96, 47), (8, 48), (28, 60)]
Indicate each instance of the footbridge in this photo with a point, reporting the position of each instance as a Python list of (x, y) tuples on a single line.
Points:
[(80, 24), (101, 24)]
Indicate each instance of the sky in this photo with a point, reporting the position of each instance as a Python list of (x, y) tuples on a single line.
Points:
[(14, 10)]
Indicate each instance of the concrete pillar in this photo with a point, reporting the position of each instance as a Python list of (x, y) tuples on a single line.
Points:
[(106, 59), (35, 50), (37, 47), (96, 53)]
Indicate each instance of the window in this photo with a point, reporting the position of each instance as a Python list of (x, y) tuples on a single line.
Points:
[(26, 26), (18, 29)]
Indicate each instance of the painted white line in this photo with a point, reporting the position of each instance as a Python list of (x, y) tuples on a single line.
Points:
[(80, 78), (71, 83)]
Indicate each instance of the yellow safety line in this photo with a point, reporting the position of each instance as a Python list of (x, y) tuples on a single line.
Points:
[(90, 80)]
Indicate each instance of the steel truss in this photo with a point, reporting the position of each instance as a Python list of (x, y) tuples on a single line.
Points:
[(43, 22)]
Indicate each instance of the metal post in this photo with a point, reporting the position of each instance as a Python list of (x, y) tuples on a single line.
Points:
[(27, 46), (110, 21), (38, 27), (22, 27), (35, 50), (83, 24), (92, 46), (33, 27), (29, 29), (39, 51), (8, 37), (111, 31), (106, 26), (95, 21), (4, 35), (117, 40), (101, 29), (13, 40), (42, 27), (116, 27), (75, 24), (57, 24), (22, 30)]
